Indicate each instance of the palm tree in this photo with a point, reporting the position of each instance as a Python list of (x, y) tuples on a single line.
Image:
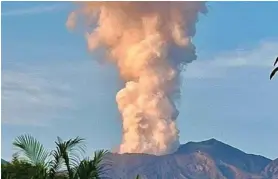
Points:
[(31, 152), (66, 154), (92, 169)]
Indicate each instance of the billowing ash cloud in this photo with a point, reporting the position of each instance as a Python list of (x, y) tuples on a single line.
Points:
[(150, 43)]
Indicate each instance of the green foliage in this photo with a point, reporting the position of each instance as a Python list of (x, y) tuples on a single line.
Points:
[(69, 151), (55, 164), (22, 170), (30, 150), (3, 162), (32, 161), (92, 169)]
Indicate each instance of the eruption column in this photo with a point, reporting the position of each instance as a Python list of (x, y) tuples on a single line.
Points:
[(150, 42)]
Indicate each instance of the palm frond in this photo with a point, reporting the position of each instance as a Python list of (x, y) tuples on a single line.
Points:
[(70, 153), (92, 168), (86, 170), (71, 150), (100, 163), (273, 72), (31, 150), (55, 164)]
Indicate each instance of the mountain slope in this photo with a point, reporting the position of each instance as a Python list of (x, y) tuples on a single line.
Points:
[(3, 161), (230, 155), (195, 165), (209, 159), (271, 170)]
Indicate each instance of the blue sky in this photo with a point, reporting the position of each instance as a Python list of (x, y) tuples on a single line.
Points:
[(52, 86)]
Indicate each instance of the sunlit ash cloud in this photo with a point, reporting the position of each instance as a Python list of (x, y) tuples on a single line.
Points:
[(150, 44)]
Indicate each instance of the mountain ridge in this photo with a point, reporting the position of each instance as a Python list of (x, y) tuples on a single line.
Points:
[(209, 159)]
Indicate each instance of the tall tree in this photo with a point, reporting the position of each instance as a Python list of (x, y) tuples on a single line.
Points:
[(69, 152)]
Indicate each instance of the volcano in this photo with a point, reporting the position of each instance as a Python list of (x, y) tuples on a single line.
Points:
[(210, 159)]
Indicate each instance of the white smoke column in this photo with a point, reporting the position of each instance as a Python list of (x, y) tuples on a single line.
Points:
[(150, 42)]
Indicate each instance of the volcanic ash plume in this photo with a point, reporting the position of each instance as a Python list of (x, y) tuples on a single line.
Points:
[(150, 42)]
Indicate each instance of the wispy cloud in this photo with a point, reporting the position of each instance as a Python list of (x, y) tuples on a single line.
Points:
[(34, 10), (28, 97), (40, 94), (260, 56)]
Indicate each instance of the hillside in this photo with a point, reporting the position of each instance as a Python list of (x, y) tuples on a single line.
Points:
[(271, 170), (209, 159), (3, 161)]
